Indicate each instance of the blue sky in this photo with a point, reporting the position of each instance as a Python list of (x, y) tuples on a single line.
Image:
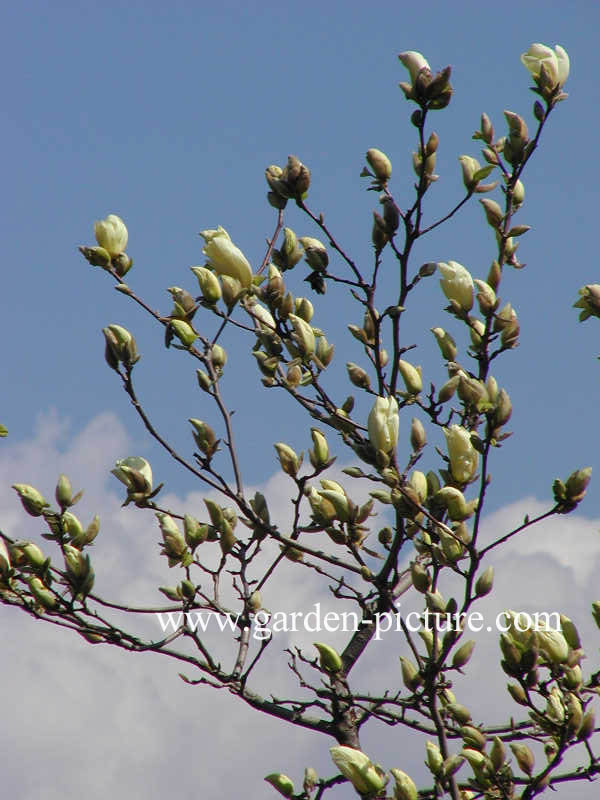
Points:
[(168, 116)]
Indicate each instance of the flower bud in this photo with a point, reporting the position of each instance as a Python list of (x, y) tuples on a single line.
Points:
[(485, 582), (315, 253), (358, 769), (493, 212), (135, 473), (319, 456), (391, 214), (589, 301), (184, 332), (379, 235), (470, 166), (33, 502), (122, 263), (44, 596), (304, 335), (96, 256), (434, 758), (218, 356), (415, 63), (463, 654), (174, 545), (380, 164), (457, 284), (454, 502), (486, 297), (209, 284), (204, 436), (418, 481), (304, 308), (577, 483), (311, 780), (64, 492), (524, 757), (448, 389), (420, 577), (329, 658), (358, 376), (34, 555), (463, 456), (383, 424), (410, 674), (296, 177), (548, 68), (418, 438), (553, 644), (111, 234), (411, 377), (446, 343), (225, 258), (290, 463), (282, 783)]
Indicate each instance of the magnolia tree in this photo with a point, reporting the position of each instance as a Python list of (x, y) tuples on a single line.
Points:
[(417, 528)]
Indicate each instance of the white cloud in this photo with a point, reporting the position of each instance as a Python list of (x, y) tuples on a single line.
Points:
[(98, 721)]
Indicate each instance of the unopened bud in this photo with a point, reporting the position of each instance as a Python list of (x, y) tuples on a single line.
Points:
[(493, 212), (485, 582), (380, 164), (446, 343), (328, 657), (411, 376), (418, 438), (290, 463), (33, 502), (358, 376)]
